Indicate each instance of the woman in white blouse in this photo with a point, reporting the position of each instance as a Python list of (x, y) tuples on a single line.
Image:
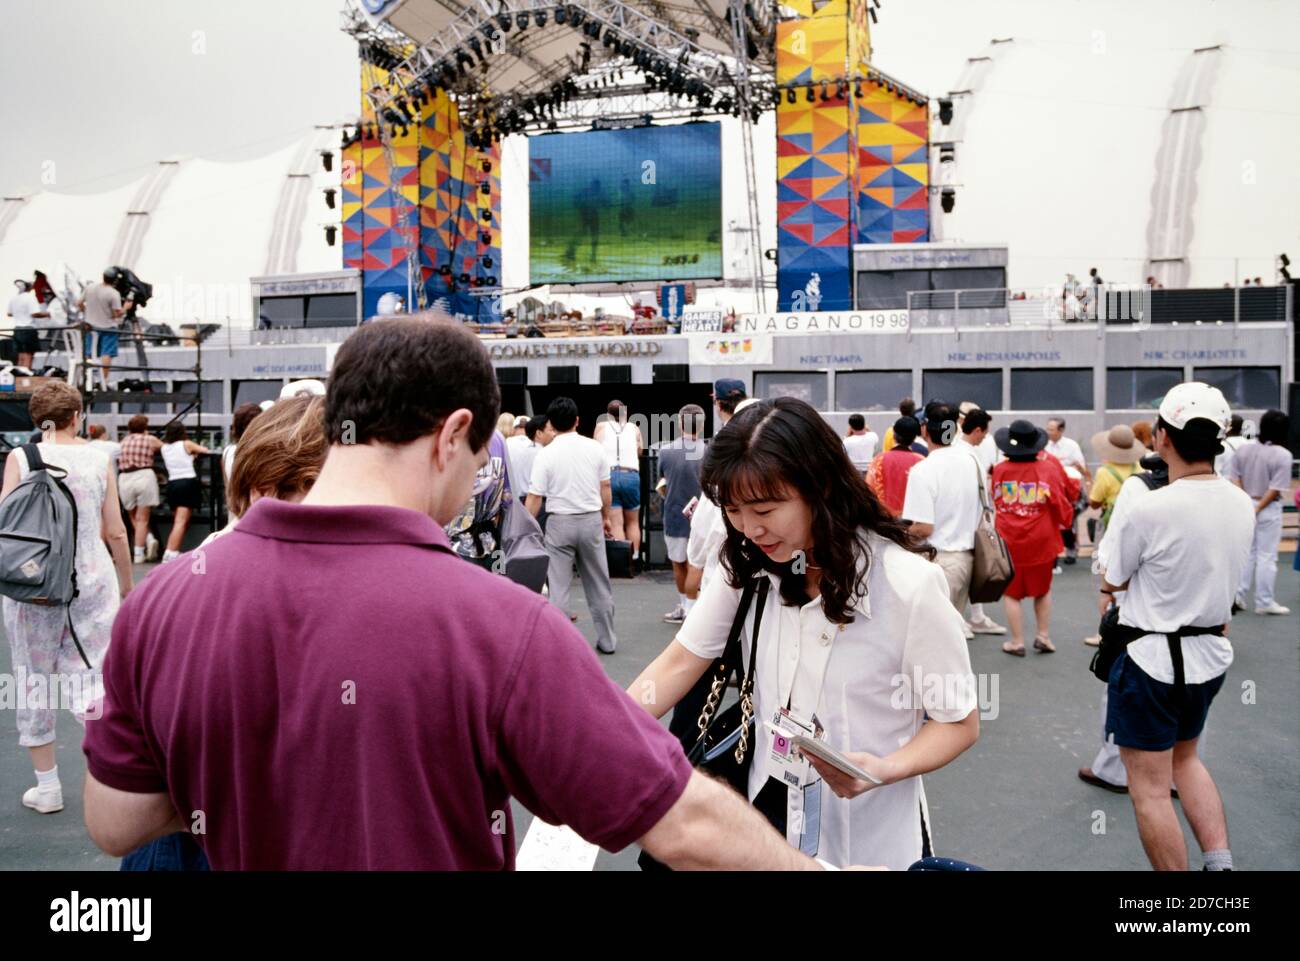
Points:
[(858, 638)]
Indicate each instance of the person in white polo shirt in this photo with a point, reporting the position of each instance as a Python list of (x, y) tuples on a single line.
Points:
[(572, 474), (1178, 556), (943, 501)]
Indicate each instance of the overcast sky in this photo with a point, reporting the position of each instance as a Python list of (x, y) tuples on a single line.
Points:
[(106, 88)]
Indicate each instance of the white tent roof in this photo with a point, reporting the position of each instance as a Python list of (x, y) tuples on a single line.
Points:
[(195, 229)]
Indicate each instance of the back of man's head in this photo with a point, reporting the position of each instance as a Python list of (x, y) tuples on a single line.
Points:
[(907, 407), (940, 423), (691, 419), (535, 423), (97, 431), (617, 410), (395, 382), (563, 414), (975, 419), (1274, 427), (857, 422), (906, 430)]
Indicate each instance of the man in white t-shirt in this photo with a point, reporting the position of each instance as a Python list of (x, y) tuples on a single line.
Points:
[(976, 439), (572, 474), (943, 500), (1262, 468), (861, 443), (24, 309), (1178, 556), (1070, 454)]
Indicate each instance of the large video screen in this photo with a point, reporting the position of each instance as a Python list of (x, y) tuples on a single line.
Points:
[(643, 203)]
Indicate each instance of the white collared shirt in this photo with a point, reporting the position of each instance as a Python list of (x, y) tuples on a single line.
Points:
[(858, 680)]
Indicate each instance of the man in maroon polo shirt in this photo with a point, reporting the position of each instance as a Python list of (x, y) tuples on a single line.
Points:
[(328, 686)]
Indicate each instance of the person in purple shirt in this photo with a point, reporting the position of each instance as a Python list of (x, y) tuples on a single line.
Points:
[(329, 686)]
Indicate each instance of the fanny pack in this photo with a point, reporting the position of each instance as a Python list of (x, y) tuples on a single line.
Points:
[(1115, 637)]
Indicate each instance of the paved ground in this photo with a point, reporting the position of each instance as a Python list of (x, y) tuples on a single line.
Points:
[(1012, 801)]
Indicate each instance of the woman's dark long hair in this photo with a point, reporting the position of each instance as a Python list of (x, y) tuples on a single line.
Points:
[(780, 446)]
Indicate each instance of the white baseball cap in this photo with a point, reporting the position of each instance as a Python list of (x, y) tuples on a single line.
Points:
[(1194, 400), (309, 386)]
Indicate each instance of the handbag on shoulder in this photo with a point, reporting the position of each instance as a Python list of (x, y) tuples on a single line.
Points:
[(992, 569), (723, 749)]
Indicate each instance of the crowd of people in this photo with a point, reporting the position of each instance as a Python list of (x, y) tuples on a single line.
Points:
[(842, 566)]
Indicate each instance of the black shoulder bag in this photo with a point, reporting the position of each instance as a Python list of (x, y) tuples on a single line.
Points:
[(723, 748)]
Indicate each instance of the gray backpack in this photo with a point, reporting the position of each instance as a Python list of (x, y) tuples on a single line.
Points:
[(38, 539)]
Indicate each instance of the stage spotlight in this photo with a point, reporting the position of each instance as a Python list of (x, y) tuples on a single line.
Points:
[(825, 94), (790, 95), (947, 199), (841, 89), (540, 16), (489, 30), (485, 187), (331, 234), (561, 15), (484, 237), (521, 18), (327, 160), (491, 281), (586, 55), (487, 262), (329, 197), (445, 271), (463, 278), (755, 113), (809, 94), (505, 20), (857, 87), (576, 16), (487, 166), (486, 216), (552, 125), (945, 111), (610, 37)]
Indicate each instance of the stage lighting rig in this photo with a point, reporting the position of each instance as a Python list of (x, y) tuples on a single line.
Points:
[(504, 19), (521, 19), (330, 193), (540, 17), (945, 111), (327, 160), (562, 15), (947, 199)]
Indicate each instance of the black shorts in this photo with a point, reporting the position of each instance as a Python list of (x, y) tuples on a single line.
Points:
[(27, 340), (186, 492), (1147, 714)]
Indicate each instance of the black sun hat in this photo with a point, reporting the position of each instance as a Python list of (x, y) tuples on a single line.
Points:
[(1021, 441)]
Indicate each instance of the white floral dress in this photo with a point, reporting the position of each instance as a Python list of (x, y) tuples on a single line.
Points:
[(39, 638)]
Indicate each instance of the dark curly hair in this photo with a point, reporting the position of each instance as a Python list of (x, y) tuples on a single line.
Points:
[(776, 446)]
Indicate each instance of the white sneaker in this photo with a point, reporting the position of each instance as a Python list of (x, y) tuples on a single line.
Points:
[(170, 556), (987, 626), (42, 801), (966, 629), (137, 555), (151, 547), (1274, 608)]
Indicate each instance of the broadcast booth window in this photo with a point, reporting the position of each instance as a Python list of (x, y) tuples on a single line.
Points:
[(984, 387), (864, 390), (888, 289), (1052, 388), (1250, 387), (806, 385), (313, 310), (1139, 388)]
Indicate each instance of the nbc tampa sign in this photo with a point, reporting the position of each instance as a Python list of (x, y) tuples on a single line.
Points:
[(828, 322)]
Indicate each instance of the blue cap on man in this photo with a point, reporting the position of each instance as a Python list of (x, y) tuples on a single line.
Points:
[(727, 387)]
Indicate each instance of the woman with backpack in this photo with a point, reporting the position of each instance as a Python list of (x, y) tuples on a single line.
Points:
[(64, 645), (184, 491)]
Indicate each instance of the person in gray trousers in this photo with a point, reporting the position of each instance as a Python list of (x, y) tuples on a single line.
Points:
[(572, 474)]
